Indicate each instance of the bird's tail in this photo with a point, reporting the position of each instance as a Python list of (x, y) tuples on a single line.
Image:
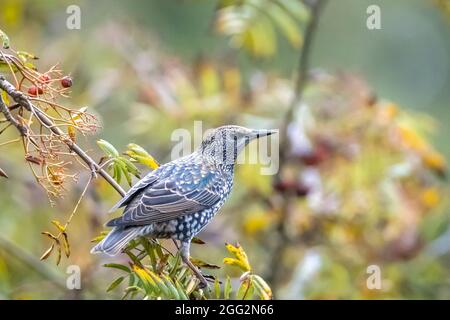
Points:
[(116, 240)]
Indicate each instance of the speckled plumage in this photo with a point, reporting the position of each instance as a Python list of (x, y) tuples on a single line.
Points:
[(200, 187), (180, 198)]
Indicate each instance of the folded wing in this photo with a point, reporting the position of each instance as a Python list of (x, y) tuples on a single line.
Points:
[(186, 190)]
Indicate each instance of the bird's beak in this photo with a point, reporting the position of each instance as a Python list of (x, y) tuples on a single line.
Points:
[(263, 133)]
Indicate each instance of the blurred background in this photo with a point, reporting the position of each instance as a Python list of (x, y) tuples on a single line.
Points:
[(364, 173)]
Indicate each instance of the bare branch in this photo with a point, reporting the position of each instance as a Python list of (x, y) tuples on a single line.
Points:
[(9, 117), (25, 102)]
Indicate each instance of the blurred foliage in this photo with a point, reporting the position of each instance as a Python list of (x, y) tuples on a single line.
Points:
[(367, 179), (251, 23)]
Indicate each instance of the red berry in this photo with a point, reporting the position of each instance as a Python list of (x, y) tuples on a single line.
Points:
[(302, 190), (34, 91), (283, 185), (315, 156), (45, 78), (291, 186), (66, 82)]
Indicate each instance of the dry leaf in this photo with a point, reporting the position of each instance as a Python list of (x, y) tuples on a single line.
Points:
[(47, 252)]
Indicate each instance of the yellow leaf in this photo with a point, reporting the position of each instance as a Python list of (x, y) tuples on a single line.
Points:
[(71, 131), (139, 154), (143, 274), (232, 81), (5, 97), (241, 257), (256, 221), (411, 139), (434, 161), (430, 197), (209, 80), (58, 225)]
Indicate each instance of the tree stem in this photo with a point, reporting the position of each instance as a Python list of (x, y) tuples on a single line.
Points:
[(316, 7)]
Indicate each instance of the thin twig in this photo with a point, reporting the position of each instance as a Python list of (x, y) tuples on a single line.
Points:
[(8, 116), (9, 142), (23, 100)]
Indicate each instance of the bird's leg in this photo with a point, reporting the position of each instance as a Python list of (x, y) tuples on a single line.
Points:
[(184, 250)]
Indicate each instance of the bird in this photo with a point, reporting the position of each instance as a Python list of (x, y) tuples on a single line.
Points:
[(179, 198)]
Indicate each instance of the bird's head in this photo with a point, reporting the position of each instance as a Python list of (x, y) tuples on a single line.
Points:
[(223, 144)]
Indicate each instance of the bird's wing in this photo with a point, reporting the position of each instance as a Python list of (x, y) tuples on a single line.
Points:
[(149, 179), (188, 189)]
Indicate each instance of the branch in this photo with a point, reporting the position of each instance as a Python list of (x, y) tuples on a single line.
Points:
[(8, 116), (24, 101), (302, 71)]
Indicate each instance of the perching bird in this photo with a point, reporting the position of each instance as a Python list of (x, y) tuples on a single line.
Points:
[(180, 198)]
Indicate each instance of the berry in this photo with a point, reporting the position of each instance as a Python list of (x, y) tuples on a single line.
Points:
[(45, 78), (34, 91), (316, 156), (66, 82), (291, 186)]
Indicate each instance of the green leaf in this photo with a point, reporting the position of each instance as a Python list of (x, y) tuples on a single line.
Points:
[(217, 288), (287, 25), (4, 39), (175, 265), (115, 283), (108, 148), (295, 8), (117, 266), (261, 287), (30, 65), (5, 68), (131, 279), (130, 167), (250, 23), (227, 289), (246, 289), (173, 292), (181, 291), (24, 56), (133, 290), (127, 176), (122, 167), (140, 155), (117, 172), (5, 97), (160, 283)]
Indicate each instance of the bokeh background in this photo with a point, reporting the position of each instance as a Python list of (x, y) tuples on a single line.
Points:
[(369, 141)]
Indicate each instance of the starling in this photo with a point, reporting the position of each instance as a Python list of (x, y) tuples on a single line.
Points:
[(177, 200)]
